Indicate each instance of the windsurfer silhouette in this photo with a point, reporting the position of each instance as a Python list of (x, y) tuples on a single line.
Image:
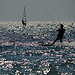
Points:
[(60, 35)]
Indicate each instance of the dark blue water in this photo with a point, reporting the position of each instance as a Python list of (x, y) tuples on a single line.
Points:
[(21, 52)]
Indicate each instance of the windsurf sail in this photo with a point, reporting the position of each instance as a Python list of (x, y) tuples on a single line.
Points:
[(24, 17)]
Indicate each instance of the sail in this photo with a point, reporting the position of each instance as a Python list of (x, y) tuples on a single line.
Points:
[(24, 17)]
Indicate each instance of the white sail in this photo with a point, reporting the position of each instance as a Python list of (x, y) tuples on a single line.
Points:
[(24, 17)]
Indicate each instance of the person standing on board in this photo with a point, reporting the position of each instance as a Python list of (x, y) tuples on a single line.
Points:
[(60, 35)]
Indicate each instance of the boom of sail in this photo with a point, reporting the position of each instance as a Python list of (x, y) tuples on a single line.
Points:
[(24, 17)]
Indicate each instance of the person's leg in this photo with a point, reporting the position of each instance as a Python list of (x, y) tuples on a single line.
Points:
[(55, 40), (61, 40)]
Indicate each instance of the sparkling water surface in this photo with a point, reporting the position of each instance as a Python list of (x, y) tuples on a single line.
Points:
[(21, 52)]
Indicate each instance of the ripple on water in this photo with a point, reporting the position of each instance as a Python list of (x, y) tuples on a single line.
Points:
[(21, 51)]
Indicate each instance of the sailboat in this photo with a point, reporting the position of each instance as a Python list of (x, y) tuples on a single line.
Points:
[(24, 17)]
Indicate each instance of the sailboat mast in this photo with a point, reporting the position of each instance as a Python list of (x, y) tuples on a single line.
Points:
[(24, 17), (24, 14)]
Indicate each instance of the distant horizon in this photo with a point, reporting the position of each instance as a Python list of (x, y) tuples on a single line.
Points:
[(36, 21)]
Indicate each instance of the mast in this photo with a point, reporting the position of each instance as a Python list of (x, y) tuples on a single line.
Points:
[(24, 17), (24, 14)]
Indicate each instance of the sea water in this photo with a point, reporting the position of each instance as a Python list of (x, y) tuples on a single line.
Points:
[(21, 52)]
